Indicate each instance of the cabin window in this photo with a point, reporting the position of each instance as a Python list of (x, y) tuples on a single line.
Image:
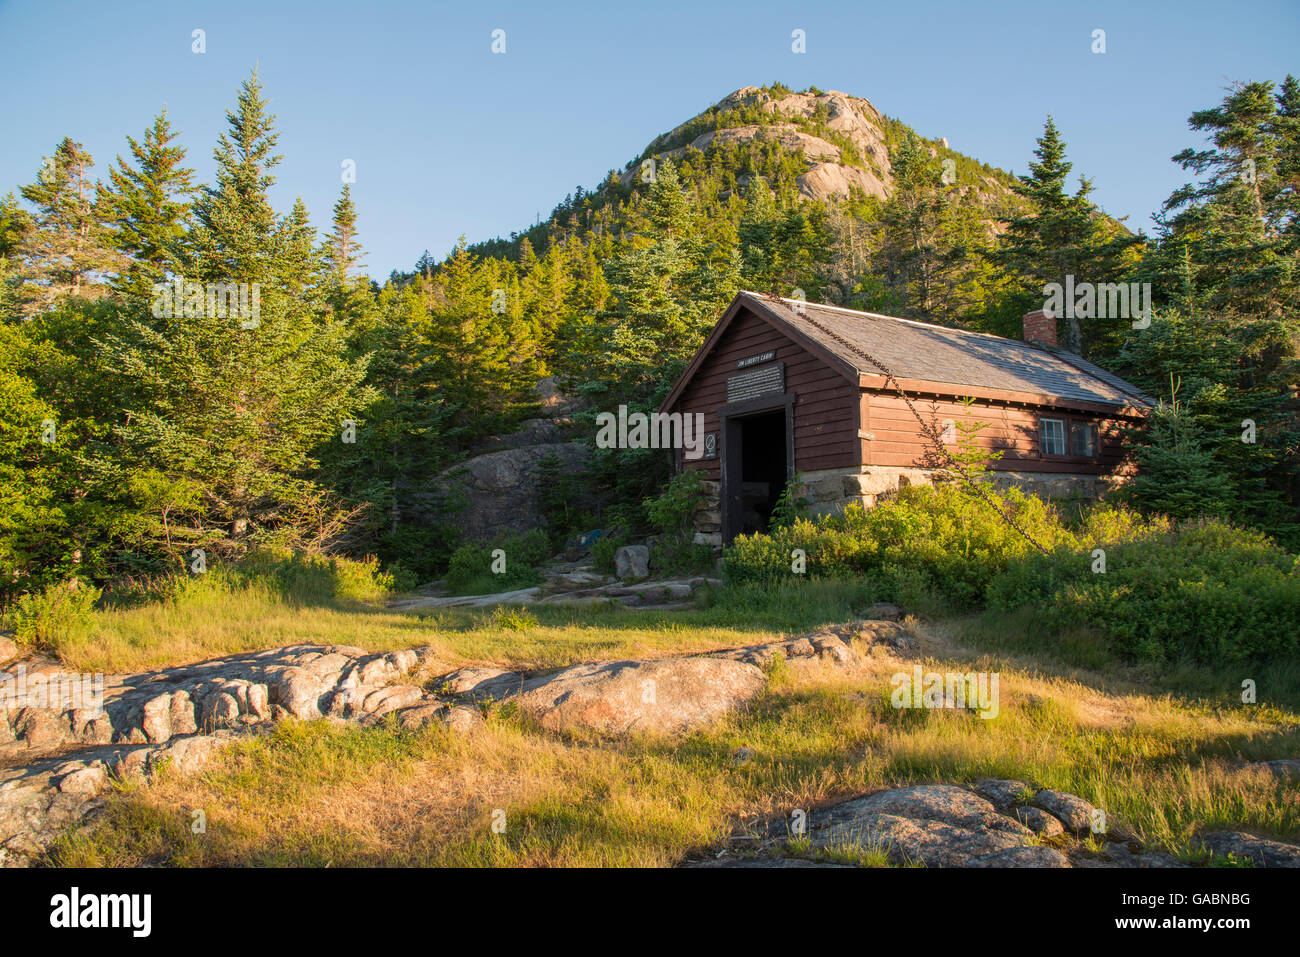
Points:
[(1052, 436), (1083, 439)]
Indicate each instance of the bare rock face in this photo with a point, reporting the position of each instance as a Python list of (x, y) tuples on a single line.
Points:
[(827, 180), (666, 695), (1036, 855), (499, 489)]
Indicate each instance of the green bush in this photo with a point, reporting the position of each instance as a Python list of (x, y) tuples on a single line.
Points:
[(603, 549), (471, 571), (57, 614), (1202, 591)]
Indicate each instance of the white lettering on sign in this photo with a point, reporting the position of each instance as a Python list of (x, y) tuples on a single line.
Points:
[(755, 360)]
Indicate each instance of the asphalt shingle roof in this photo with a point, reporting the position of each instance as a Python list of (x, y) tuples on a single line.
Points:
[(918, 350)]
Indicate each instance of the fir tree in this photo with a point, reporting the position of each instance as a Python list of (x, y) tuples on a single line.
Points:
[(151, 203)]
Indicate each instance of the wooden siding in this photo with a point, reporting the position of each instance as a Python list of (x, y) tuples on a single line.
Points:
[(824, 412), (897, 441)]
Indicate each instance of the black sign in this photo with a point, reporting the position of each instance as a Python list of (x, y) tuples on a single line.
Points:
[(755, 360), (761, 381), (710, 445)]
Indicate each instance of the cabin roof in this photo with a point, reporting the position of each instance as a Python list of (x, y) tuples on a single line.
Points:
[(921, 351)]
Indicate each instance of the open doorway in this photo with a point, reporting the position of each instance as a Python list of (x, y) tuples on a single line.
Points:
[(756, 466)]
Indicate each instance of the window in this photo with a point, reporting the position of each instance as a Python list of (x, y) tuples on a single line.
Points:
[(1083, 439), (1052, 436)]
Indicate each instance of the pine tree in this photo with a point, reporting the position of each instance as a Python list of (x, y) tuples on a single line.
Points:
[(342, 250), (235, 223), (233, 409), (66, 252), (1062, 235), (151, 203)]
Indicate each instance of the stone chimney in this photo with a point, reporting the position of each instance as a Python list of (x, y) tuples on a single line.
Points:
[(1040, 328)]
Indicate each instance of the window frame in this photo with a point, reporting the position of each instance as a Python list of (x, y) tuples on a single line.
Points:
[(1069, 425), (1064, 423)]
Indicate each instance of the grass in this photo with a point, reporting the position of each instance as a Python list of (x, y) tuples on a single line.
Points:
[(316, 794), (206, 623), (1158, 749)]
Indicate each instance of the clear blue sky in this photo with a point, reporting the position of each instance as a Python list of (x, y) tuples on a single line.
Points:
[(449, 138)]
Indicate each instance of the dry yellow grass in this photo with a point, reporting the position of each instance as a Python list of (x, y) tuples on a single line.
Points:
[(318, 795)]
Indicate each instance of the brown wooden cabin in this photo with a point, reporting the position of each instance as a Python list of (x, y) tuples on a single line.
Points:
[(784, 387)]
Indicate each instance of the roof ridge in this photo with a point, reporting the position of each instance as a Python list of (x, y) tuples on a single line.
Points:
[(910, 322)]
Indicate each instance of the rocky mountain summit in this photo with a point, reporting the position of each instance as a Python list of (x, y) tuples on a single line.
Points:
[(844, 139)]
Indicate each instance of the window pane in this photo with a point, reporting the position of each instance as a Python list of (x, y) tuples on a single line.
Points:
[(1053, 436), (1085, 439)]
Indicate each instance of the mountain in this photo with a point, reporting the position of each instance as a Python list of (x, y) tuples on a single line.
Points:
[(824, 146), (845, 140)]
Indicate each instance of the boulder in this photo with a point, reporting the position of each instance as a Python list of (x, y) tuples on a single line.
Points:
[(1004, 793), (1246, 847), (667, 695), (499, 489), (8, 649), (1073, 811), (632, 562), (1039, 821), (885, 611), (916, 840), (936, 802)]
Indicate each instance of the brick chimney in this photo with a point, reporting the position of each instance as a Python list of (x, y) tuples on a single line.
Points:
[(1040, 328)]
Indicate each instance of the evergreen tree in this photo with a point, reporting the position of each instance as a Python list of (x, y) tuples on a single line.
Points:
[(150, 203), (1062, 235), (66, 252), (235, 230)]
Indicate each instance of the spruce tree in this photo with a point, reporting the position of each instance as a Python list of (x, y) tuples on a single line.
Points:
[(66, 252), (150, 202)]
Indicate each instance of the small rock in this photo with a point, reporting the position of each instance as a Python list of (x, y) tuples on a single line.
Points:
[(86, 782), (1039, 821), (885, 611), (1003, 792), (391, 698), (632, 562), (462, 720), (742, 755), (8, 649), (1074, 812)]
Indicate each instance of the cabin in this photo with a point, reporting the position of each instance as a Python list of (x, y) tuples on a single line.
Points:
[(785, 386)]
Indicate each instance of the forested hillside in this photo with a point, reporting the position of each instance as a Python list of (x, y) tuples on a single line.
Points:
[(138, 423)]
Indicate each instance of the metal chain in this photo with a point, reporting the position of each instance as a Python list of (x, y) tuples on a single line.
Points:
[(928, 429)]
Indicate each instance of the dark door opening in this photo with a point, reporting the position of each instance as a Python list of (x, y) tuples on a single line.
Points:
[(756, 470)]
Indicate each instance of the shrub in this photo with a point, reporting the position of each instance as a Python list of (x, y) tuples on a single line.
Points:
[(58, 614), (471, 569), (603, 549), (1203, 591)]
